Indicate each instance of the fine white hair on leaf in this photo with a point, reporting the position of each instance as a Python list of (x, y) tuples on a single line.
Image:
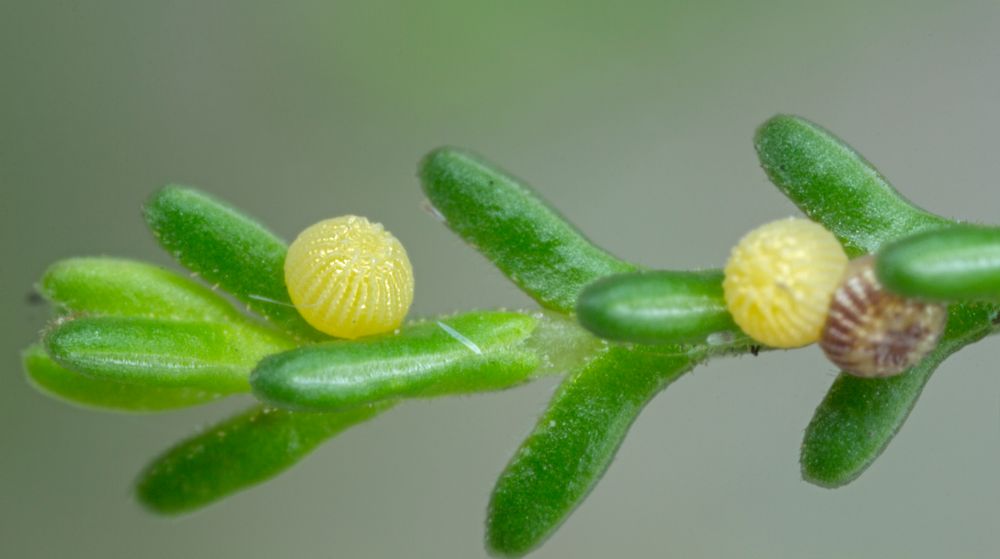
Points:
[(429, 208), (720, 338), (272, 301), (461, 339)]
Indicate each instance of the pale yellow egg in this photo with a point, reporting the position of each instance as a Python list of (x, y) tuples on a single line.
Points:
[(779, 281), (349, 277)]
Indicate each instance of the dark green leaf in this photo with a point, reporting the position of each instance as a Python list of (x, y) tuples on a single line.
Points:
[(961, 263), (835, 186), (237, 454), (49, 378), (502, 218), (859, 417), (229, 249), (455, 355), (657, 307), (574, 442)]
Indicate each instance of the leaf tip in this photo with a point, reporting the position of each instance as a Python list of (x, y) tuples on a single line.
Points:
[(170, 199), (162, 195), (775, 130), (505, 538), (439, 163), (31, 358), (150, 495), (818, 472), (54, 338)]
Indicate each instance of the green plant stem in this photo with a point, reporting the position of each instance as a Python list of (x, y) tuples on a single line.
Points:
[(148, 339)]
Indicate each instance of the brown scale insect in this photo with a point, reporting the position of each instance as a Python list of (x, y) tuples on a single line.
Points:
[(870, 332)]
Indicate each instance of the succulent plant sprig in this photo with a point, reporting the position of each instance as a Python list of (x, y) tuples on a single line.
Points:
[(129, 336)]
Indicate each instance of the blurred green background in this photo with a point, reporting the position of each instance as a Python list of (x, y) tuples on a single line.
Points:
[(633, 118)]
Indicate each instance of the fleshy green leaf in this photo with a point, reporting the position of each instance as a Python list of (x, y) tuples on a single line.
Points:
[(50, 378), (859, 417), (961, 263), (229, 249), (460, 354), (237, 454), (210, 356), (835, 186), (574, 442), (116, 287), (502, 218), (657, 307)]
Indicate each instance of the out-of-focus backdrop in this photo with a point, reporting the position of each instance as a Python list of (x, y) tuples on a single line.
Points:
[(635, 119)]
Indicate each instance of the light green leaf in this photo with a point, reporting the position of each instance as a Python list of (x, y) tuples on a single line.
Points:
[(117, 287), (50, 378), (205, 355)]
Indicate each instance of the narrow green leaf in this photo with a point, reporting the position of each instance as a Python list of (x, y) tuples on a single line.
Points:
[(502, 218), (961, 263), (657, 307), (466, 353), (229, 249), (211, 356), (574, 442), (50, 378), (238, 453), (835, 186), (859, 417), (117, 287)]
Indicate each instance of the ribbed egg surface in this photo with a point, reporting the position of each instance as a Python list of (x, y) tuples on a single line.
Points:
[(779, 280), (349, 277), (873, 333)]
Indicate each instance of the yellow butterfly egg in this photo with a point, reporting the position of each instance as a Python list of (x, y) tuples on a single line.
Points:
[(349, 277), (779, 281)]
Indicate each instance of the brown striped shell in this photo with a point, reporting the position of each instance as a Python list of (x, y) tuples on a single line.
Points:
[(349, 277), (870, 332)]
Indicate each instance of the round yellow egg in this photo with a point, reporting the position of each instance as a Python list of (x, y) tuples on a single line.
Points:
[(779, 281), (349, 277)]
